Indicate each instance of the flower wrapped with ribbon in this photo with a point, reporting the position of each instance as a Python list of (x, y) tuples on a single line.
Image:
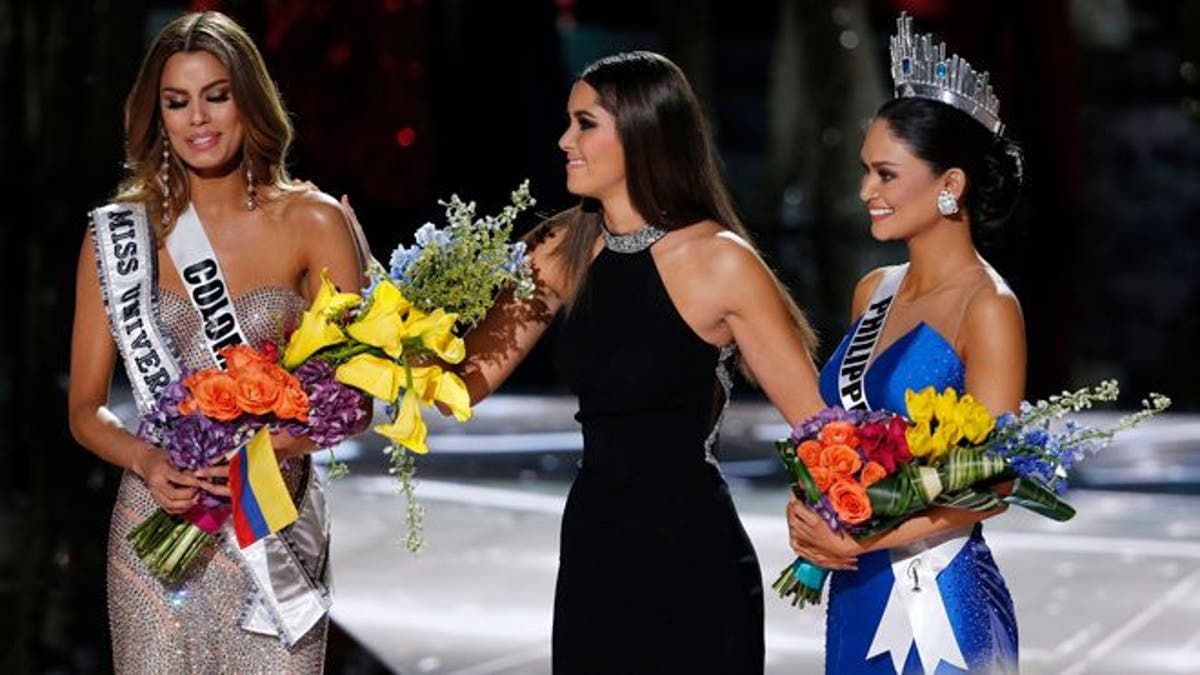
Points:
[(397, 339), (866, 472)]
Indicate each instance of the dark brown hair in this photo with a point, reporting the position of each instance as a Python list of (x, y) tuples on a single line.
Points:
[(671, 168)]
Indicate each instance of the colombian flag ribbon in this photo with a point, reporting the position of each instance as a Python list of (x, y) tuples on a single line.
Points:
[(261, 503)]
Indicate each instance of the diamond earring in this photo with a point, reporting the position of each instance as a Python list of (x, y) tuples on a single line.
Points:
[(946, 203), (251, 202), (164, 178)]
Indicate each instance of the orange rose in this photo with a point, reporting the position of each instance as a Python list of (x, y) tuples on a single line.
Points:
[(850, 501), (258, 389), (839, 433), (822, 477), (872, 473), (214, 393), (841, 459), (293, 404), (239, 357), (809, 452)]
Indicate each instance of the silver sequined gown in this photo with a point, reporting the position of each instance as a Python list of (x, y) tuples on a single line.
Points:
[(193, 628)]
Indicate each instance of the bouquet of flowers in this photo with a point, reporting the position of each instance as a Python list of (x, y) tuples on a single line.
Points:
[(208, 414), (392, 340), (866, 472)]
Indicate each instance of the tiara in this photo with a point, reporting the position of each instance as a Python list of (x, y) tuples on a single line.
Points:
[(920, 69)]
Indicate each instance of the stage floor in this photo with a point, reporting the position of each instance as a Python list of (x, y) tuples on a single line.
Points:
[(1117, 590)]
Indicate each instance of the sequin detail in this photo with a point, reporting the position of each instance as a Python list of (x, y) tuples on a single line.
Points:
[(633, 242), (193, 627), (726, 380)]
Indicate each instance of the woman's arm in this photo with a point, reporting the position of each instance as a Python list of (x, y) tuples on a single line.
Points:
[(329, 242), (513, 326), (771, 344), (763, 328), (93, 355)]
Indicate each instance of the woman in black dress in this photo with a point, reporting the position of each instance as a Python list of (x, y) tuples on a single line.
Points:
[(660, 289)]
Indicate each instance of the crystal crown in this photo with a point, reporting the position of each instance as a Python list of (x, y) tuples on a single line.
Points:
[(920, 69)]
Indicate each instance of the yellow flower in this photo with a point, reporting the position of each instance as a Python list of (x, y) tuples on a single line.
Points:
[(920, 405), (976, 420), (433, 384), (920, 442), (946, 436), (383, 326), (944, 403), (378, 377), (314, 333), (329, 301), (437, 336), (317, 330), (408, 429)]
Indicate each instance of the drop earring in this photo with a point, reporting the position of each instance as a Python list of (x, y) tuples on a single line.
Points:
[(164, 179), (251, 201)]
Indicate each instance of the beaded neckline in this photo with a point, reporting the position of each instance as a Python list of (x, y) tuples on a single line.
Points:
[(633, 242)]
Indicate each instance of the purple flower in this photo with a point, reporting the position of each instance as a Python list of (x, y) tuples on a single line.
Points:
[(813, 425), (824, 508), (194, 441), (335, 411), (164, 412)]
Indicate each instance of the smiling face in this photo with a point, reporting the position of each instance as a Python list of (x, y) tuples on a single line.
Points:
[(198, 111), (899, 188), (595, 156)]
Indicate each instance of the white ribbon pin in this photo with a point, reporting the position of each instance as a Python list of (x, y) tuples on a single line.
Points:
[(915, 612)]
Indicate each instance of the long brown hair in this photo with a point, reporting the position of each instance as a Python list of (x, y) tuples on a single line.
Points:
[(268, 130), (671, 167)]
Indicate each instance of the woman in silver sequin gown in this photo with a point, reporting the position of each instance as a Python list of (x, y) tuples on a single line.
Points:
[(204, 125)]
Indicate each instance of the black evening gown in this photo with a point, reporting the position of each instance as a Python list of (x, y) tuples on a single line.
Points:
[(656, 573)]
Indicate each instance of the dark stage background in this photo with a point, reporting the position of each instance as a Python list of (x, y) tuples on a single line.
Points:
[(399, 103)]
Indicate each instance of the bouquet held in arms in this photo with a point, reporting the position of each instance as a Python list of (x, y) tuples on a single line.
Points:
[(215, 413), (392, 340), (866, 472)]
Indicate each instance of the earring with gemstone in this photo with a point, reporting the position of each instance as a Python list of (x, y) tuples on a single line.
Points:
[(164, 178), (946, 203), (251, 201)]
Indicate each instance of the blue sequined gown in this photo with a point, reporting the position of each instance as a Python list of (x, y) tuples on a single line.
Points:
[(976, 598)]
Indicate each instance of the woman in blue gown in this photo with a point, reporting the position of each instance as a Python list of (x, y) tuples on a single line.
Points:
[(926, 597)]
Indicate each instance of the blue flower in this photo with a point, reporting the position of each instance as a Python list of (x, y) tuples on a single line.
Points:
[(1036, 437), (516, 258), (402, 259), (429, 234)]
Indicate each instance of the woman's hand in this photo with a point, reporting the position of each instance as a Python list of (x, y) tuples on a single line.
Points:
[(174, 490), (812, 539), (287, 445), (215, 479)]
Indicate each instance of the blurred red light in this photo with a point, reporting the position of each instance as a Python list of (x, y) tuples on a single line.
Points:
[(406, 137)]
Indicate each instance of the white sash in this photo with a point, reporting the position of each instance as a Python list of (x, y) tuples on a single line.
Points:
[(853, 368), (289, 567), (126, 261), (205, 283), (915, 612)]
